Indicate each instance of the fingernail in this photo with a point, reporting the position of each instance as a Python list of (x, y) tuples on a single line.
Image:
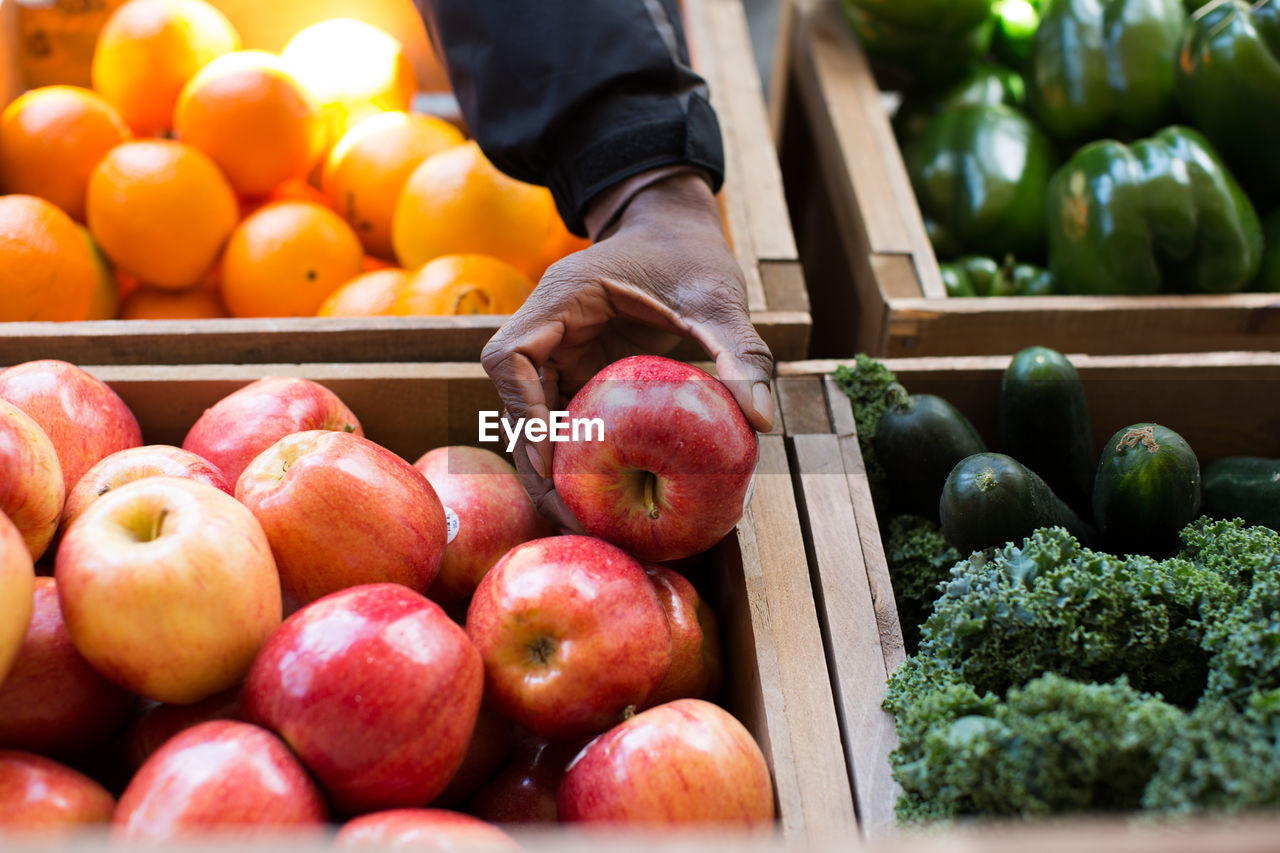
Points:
[(762, 400), (535, 459)]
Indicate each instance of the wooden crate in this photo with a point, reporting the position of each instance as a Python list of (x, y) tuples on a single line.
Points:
[(873, 277), (752, 202), (1223, 404)]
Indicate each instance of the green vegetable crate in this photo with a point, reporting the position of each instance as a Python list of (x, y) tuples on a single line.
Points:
[(1222, 403), (874, 279)]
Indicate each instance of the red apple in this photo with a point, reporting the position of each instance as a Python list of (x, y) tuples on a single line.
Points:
[(31, 487), (494, 515), (82, 416), (527, 790), (375, 689), (222, 775), (168, 588), (41, 795), (490, 747), (125, 466), (248, 421), (696, 667), (17, 585), (340, 511), (53, 702), (572, 634), (156, 723), (688, 761), (671, 475), (422, 829)]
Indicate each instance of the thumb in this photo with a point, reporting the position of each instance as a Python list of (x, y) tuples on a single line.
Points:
[(743, 363)]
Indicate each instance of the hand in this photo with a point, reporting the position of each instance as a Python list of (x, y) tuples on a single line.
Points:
[(664, 271)]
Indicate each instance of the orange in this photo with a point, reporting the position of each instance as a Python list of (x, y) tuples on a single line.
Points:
[(369, 294), (161, 210), (367, 169), (560, 243), (286, 258), (149, 49), (372, 264), (150, 303), (294, 189), (252, 118), (50, 140), (457, 202), (47, 270), (105, 304), (463, 284)]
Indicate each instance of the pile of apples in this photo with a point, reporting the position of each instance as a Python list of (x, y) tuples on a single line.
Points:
[(283, 625)]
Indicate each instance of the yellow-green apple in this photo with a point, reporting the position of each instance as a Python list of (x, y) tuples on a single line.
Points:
[(494, 514), (168, 588), (38, 794), (53, 702), (375, 689), (696, 661), (219, 776), (491, 743), (669, 473), (157, 722), (17, 585), (125, 466), (340, 511), (687, 761), (83, 417), (31, 486), (527, 789), (424, 830), (572, 634), (246, 422)]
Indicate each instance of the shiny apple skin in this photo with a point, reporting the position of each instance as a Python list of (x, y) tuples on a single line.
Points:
[(422, 830), (247, 421), (340, 511), (208, 569), (527, 789), (222, 775), (31, 485), (17, 592), (376, 690), (494, 513), (136, 463), (156, 723), (572, 634), (53, 702), (697, 668), (687, 761), (678, 424), (38, 794), (82, 416)]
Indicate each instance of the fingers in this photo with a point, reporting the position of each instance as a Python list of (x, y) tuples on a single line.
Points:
[(743, 361), (543, 492)]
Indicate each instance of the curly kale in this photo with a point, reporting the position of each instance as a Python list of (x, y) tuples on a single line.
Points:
[(1246, 643), (1233, 549), (920, 559), (865, 384)]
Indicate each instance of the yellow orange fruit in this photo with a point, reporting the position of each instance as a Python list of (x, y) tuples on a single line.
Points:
[(367, 169), (462, 284), (150, 303), (105, 304), (252, 118), (47, 271), (161, 210), (369, 294), (286, 258), (50, 140), (561, 242), (149, 49)]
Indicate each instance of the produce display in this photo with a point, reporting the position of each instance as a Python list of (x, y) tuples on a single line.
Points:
[(284, 625), (198, 179)]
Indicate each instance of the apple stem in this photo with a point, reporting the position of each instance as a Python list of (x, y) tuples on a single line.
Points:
[(650, 484), (628, 712)]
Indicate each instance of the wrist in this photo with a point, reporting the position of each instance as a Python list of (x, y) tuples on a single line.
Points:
[(682, 185)]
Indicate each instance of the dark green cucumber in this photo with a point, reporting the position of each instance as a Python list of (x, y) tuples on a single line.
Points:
[(1044, 422), (919, 440), (990, 499), (1147, 489), (1245, 487)]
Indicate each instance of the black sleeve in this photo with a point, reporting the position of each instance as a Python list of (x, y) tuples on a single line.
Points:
[(577, 95)]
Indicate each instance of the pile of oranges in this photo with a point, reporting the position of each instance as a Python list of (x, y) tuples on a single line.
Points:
[(197, 179)]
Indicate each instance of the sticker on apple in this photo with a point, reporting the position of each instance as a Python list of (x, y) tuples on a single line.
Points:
[(451, 523)]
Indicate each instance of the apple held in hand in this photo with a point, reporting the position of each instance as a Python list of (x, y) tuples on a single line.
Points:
[(38, 794), (687, 761), (375, 689), (248, 421), (671, 476), (494, 513), (168, 588), (135, 463), (696, 666), (423, 830), (17, 584), (340, 511), (572, 634), (222, 775), (80, 414), (31, 486)]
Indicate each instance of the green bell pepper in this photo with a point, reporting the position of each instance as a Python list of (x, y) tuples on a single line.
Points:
[(1104, 67), (1163, 214), (1016, 24), (1229, 87), (938, 16), (977, 275), (980, 174), (985, 84), (1269, 275), (933, 40)]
